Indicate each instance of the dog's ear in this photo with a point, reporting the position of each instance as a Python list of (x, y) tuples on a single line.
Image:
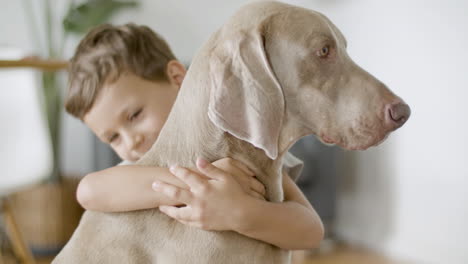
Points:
[(246, 98)]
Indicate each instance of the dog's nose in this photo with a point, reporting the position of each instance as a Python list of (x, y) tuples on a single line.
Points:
[(397, 114)]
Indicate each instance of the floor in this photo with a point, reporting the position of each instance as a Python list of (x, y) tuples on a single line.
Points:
[(344, 255), (333, 255)]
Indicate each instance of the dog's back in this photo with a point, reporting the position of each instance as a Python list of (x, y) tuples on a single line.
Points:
[(151, 237)]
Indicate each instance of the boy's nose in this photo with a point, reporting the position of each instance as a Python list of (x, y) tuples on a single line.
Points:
[(137, 141), (134, 142)]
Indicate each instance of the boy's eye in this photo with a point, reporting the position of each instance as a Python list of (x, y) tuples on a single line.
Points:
[(135, 114), (113, 137)]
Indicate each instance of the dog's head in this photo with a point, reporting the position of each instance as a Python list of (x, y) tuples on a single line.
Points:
[(275, 62)]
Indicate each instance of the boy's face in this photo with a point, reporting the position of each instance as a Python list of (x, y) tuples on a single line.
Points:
[(129, 113)]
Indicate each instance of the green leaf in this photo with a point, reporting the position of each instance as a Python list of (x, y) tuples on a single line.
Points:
[(80, 18)]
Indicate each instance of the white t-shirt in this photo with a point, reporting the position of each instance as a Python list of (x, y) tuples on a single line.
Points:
[(291, 164)]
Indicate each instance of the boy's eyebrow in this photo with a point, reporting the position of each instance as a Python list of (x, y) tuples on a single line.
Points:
[(121, 115)]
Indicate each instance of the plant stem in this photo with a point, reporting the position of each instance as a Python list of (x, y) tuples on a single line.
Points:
[(52, 93), (65, 34), (53, 109), (49, 34), (32, 21)]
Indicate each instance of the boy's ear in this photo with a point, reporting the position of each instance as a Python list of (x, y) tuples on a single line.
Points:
[(175, 72)]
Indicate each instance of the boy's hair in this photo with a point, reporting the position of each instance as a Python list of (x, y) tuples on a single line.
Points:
[(105, 53)]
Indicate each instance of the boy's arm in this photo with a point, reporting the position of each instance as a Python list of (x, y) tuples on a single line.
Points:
[(220, 204), (292, 224), (125, 188), (128, 188)]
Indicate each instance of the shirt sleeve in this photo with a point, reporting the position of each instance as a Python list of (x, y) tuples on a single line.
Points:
[(292, 166), (125, 162)]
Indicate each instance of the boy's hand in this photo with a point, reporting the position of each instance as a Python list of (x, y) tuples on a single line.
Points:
[(213, 204), (243, 175)]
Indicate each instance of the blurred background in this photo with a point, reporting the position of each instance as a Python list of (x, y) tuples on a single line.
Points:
[(404, 200)]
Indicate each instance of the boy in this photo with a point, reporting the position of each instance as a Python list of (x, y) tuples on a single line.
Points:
[(123, 83)]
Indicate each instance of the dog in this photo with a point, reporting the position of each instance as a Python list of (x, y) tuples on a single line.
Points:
[(269, 76)]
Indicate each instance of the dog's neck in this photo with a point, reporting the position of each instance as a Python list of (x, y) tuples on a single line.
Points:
[(292, 130)]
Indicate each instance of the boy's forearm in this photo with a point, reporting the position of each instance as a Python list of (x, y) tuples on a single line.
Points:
[(288, 225), (292, 224), (125, 188)]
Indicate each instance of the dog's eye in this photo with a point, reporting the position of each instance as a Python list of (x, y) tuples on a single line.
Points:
[(324, 51)]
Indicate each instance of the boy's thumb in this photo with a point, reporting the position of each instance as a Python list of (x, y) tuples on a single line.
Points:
[(209, 169)]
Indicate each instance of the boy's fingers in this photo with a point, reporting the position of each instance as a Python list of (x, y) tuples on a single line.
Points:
[(182, 214), (257, 195), (257, 186), (243, 167), (188, 223), (192, 179), (173, 192), (183, 222), (210, 170)]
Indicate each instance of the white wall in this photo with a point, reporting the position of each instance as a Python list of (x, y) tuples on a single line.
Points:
[(405, 197), (185, 24)]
